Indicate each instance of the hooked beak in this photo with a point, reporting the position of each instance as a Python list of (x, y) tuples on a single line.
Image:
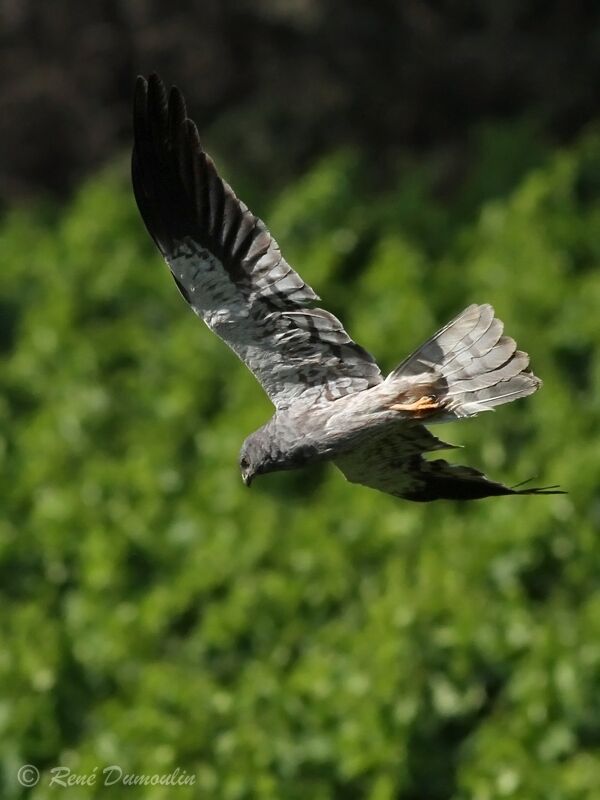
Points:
[(247, 478)]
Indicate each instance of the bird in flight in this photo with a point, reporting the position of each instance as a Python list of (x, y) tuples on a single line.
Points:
[(332, 402)]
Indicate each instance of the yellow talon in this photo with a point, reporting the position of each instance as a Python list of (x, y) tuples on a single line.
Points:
[(419, 407)]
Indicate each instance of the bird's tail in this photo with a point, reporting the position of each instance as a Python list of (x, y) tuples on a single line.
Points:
[(466, 367)]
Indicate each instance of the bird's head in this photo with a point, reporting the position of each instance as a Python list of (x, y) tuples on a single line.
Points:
[(255, 457)]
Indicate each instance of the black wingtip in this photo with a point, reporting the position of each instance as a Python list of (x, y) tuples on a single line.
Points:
[(177, 109), (156, 82), (553, 489), (149, 93), (542, 490), (150, 157), (140, 102), (165, 161), (157, 104)]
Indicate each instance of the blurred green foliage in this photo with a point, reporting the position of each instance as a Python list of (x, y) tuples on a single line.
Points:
[(306, 638)]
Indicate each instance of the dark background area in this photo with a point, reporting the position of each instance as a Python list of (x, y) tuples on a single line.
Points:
[(303, 76)]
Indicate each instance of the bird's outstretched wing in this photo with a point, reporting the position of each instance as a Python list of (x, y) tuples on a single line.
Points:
[(393, 462), (229, 268)]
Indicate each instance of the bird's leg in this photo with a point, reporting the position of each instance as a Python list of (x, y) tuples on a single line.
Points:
[(423, 406)]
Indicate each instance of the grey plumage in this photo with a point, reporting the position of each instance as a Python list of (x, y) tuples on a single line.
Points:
[(331, 400), (228, 266), (478, 366)]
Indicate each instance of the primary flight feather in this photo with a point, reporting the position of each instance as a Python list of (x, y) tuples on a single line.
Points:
[(331, 401)]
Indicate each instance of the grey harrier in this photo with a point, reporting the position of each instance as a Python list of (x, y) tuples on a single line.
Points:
[(331, 401)]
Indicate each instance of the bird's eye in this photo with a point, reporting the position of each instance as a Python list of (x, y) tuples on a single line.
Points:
[(244, 462)]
